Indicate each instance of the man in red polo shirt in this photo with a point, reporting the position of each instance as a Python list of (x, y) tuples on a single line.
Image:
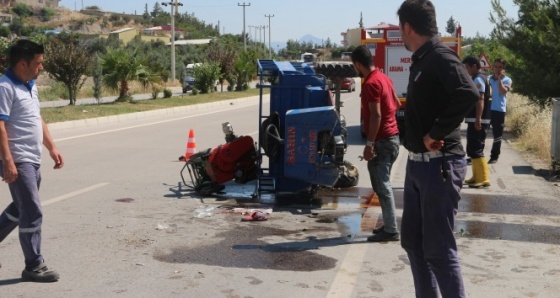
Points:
[(379, 105)]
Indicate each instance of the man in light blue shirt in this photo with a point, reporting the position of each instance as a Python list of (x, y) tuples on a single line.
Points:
[(22, 136), (501, 85)]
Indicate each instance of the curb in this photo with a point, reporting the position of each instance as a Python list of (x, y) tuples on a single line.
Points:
[(148, 114)]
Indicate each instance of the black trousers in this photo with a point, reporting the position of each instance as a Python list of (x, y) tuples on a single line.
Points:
[(497, 120), (476, 140)]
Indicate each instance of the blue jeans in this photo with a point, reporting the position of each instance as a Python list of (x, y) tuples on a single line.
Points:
[(25, 211), (431, 199), (379, 168)]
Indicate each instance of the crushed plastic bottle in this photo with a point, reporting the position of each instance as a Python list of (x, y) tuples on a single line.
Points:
[(199, 213), (207, 211)]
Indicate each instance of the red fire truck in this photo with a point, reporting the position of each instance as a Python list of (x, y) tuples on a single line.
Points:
[(391, 57)]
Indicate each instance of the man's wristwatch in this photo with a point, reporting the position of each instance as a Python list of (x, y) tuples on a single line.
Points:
[(370, 143)]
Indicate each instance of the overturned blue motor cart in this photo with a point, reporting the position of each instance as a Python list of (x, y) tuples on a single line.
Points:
[(302, 136), (301, 143)]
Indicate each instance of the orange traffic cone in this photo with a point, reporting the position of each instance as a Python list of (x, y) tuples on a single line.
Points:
[(191, 145)]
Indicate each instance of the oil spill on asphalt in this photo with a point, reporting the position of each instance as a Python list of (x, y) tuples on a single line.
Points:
[(241, 248), (125, 200)]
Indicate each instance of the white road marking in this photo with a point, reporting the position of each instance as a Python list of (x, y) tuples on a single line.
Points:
[(73, 194), (345, 279)]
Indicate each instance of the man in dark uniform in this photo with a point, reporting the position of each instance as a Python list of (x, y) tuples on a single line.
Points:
[(440, 94), (478, 121)]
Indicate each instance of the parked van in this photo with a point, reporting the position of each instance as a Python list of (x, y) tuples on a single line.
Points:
[(188, 80)]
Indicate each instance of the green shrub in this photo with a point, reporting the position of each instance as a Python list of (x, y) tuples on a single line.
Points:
[(205, 76), (167, 93), (155, 92), (195, 91), (22, 10), (5, 31), (47, 13), (55, 91)]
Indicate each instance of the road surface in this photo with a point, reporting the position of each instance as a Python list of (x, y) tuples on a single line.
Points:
[(119, 223)]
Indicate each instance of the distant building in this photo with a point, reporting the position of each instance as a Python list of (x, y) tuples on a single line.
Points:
[(164, 30), (125, 34), (33, 3), (5, 19), (352, 37)]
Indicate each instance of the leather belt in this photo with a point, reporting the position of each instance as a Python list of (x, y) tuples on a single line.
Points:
[(424, 157)]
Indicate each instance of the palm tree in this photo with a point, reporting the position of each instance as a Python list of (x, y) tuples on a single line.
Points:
[(120, 67), (244, 68)]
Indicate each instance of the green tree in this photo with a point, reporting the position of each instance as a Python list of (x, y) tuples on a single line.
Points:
[(224, 54), (120, 67), (328, 43), (67, 61), (451, 26), (17, 26), (97, 75), (5, 31), (205, 76), (533, 38), (244, 69), (157, 10), (146, 14), (4, 47)]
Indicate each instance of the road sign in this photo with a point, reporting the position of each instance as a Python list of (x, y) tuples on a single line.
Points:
[(484, 64)]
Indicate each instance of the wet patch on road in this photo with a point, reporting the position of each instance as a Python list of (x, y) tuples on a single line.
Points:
[(510, 232), (241, 248), (498, 204), (507, 204), (125, 200)]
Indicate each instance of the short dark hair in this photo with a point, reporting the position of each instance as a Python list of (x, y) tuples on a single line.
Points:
[(362, 55), (502, 61), (24, 49), (421, 15), (471, 60)]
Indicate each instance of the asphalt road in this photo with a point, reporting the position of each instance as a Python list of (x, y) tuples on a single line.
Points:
[(119, 223)]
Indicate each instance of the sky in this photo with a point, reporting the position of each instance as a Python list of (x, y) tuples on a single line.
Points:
[(323, 19)]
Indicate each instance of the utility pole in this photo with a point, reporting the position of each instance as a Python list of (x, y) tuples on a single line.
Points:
[(251, 33), (256, 27), (244, 35), (176, 7), (269, 46), (172, 5), (264, 38)]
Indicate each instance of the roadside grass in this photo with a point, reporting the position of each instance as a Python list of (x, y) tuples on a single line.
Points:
[(69, 113), (530, 125), (54, 90)]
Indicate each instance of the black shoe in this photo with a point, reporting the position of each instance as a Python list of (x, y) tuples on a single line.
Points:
[(492, 161), (383, 237), (40, 274), (378, 230)]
